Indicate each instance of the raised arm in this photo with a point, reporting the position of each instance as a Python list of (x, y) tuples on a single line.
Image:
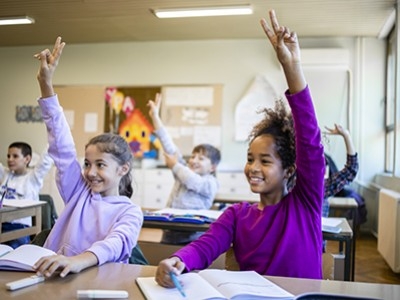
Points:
[(48, 64), (287, 50), (339, 130), (154, 111), (171, 152)]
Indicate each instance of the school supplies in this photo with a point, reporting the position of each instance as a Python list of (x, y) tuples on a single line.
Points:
[(216, 284), (22, 258), (200, 216), (19, 284)]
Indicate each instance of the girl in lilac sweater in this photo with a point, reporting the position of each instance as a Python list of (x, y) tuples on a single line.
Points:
[(281, 235), (99, 223)]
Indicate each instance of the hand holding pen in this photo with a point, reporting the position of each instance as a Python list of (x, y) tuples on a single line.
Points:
[(166, 267)]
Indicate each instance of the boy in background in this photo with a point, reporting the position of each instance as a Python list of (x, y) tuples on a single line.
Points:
[(195, 181), (19, 181)]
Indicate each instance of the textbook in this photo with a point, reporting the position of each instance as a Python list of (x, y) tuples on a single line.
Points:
[(200, 216), (22, 258), (331, 225), (215, 284)]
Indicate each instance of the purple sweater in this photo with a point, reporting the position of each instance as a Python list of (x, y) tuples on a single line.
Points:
[(284, 239), (106, 226)]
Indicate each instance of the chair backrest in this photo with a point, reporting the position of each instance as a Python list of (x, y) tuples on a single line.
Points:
[(137, 256), (324, 296), (49, 213)]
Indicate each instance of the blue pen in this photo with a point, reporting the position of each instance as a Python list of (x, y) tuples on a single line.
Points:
[(177, 284)]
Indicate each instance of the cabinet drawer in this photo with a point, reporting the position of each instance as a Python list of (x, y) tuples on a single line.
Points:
[(232, 179), (158, 175), (242, 190), (154, 199)]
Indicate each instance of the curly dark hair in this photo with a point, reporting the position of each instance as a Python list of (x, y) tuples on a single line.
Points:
[(278, 123)]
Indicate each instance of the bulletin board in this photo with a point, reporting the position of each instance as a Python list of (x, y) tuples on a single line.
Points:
[(84, 110), (192, 115)]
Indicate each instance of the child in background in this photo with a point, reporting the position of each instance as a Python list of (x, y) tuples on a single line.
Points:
[(195, 182), (337, 180), (281, 235), (99, 223), (19, 181)]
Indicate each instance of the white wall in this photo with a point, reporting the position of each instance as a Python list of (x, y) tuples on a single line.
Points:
[(233, 63)]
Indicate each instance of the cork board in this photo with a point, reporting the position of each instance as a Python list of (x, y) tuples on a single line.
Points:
[(84, 109), (192, 115)]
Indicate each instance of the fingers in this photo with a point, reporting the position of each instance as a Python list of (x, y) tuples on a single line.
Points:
[(47, 57), (274, 21), (158, 100), (166, 267), (162, 274), (47, 266)]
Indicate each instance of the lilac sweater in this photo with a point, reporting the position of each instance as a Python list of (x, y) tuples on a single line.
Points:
[(106, 226), (284, 239)]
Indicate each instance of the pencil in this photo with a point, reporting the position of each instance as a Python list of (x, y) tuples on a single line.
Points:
[(177, 284)]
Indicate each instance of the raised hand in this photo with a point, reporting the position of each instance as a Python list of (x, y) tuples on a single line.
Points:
[(287, 49), (48, 64), (284, 42), (338, 130), (155, 106)]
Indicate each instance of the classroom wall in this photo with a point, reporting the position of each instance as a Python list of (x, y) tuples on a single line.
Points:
[(232, 63)]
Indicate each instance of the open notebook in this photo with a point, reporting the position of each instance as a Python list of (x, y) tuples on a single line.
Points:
[(216, 284)]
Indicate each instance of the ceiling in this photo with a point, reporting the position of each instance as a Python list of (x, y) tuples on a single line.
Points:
[(99, 21)]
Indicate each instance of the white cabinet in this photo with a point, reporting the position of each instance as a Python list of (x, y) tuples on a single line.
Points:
[(233, 185), (137, 185), (157, 187)]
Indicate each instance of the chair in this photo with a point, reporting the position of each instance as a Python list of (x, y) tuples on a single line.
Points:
[(323, 296), (49, 213), (40, 238), (137, 256)]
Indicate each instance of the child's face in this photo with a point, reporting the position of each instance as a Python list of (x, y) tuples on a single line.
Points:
[(16, 161), (200, 164), (102, 172), (263, 169)]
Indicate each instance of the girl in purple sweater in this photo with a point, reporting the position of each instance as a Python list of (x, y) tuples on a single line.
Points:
[(281, 235), (99, 222)]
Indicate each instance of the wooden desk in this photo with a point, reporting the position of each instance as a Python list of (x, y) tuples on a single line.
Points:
[(116, 276), (8, 214), (344, 204), (345, 238)]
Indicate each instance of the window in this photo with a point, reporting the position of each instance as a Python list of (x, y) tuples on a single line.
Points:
[(392, 128)]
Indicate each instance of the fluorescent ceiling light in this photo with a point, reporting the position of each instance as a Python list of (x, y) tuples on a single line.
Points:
[(203, 11), (16, 20)]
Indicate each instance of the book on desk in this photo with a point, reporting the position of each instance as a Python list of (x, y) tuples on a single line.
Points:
[(331, 225), (194, 216), (22, 258), (216, 284)]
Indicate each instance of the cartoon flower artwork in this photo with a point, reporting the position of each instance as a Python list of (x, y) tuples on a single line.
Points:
[(138, 132), (127, 120)]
